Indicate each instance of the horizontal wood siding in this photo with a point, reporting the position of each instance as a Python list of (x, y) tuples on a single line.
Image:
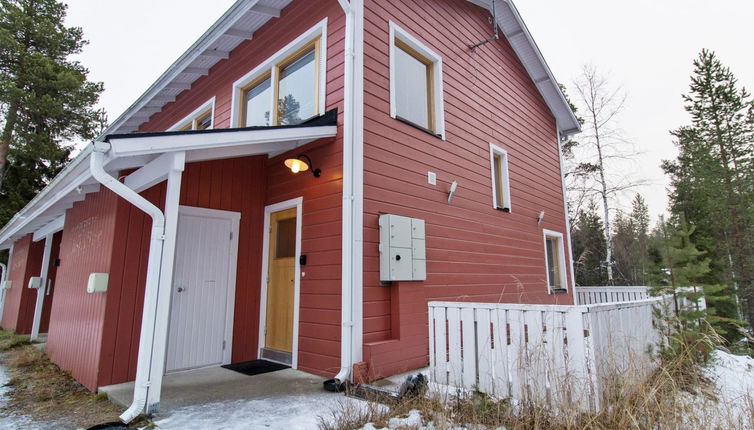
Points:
[(474, 252), (77, 318), (18, 310)]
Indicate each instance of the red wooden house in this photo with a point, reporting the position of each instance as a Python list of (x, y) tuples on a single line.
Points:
[(296, 187)]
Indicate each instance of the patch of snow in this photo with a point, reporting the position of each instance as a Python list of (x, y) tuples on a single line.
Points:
[(298, 412), (733, 376)]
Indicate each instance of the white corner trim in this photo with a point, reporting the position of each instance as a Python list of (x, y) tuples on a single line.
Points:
[(268, 66), (208, 105), (396, 32), (561, 256), (269, 210), (566, 213), (494, 149)]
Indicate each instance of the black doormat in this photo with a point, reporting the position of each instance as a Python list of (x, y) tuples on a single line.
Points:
[(256, 367)]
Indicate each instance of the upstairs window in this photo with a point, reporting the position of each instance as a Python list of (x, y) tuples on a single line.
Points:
[(415, 83), (555, 259), (501, 191), (199, 119), (288, 88)]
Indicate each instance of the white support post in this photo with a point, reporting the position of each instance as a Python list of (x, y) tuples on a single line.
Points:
[(38, 308), (162, 320), (6, 274)]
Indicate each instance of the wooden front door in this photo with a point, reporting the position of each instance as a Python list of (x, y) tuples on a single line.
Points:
[(281, 281)]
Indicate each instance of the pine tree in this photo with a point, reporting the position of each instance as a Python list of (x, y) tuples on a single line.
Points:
[(713, 175), (46, 100)]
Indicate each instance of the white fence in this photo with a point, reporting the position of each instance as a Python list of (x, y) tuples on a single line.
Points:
[(549, 354), (594, 295)]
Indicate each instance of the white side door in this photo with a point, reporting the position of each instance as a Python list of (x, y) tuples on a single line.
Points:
[(201, 312)]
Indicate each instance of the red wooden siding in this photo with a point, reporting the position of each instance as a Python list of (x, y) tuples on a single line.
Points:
[(18, 310), (474, 252), (77, 318), (51, 273)]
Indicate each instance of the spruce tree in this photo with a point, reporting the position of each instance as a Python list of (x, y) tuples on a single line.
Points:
[(46, 101), (589, 247), (713, 175)]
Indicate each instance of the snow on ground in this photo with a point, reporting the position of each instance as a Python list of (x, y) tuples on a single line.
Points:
[(298, 412), (733, 376)]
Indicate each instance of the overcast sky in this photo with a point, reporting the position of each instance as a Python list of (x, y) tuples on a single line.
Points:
[(646, 47)]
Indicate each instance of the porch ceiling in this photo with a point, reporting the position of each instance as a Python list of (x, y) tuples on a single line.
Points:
[(130, 151)]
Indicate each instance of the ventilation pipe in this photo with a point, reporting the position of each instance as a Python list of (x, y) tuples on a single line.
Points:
[(141, 386)]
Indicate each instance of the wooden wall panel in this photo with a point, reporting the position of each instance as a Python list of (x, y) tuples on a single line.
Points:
[(77, 318), (18, 310), (474, 252)]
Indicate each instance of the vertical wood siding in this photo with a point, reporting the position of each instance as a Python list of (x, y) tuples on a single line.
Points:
[(77, 318), (474, 252), (44, 325), (18, 310)]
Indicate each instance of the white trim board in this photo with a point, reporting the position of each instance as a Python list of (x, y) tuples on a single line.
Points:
[(269, 210), (208, 105), (397, 32), (561, 256), (268, 65)]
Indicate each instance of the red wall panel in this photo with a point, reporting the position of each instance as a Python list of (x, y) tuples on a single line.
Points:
[(18, 310), (474, 252), (77, 318)]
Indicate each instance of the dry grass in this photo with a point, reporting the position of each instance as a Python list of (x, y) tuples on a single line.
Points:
[(676, 395), (40, 389), (10, 340)]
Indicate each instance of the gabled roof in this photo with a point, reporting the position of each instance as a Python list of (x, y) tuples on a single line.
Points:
[(520, 39), (247, 16)]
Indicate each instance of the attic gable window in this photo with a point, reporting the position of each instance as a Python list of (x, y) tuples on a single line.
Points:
[(287, 88), (200, 119), (501, 191), (415, 83), (555, 261)]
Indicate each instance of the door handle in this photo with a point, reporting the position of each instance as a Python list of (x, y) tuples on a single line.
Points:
[(180, 289)]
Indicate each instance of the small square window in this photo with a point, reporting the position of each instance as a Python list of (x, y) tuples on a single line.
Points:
[(555, 260), (501, 195), (200, 119), (415, 83)]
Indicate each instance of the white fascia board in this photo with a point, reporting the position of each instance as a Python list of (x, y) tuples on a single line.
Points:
[(226, 21), (532, 59), (152, 144), (52, 227)]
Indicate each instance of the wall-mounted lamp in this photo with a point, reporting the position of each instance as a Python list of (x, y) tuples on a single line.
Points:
[(540, 217), (300, 164), (452, 191)]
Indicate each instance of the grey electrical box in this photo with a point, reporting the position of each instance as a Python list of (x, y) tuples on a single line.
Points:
[(402, 249)]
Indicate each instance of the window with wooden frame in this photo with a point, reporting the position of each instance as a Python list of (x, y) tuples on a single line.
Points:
[(286, 89), (200, 119), (501, 191), (555, 261), (415, 83)]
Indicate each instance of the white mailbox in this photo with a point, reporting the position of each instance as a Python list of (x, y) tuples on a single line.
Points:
[(35, 282), (7, 284), (402, 249), (97, 283)]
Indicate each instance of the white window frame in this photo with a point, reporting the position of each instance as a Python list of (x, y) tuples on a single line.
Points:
[(561, 256), (396, 32), (496, 150), (209, 105), (319, 30)]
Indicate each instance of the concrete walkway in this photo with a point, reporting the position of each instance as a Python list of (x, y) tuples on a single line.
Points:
[(218, 398)]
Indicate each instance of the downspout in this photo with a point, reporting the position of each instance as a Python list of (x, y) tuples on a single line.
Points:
[(346, 334), (141, 386)]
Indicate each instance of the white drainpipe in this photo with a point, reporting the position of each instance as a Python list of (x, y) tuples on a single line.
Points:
[(141, 386)]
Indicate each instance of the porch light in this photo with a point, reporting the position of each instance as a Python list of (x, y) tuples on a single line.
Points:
[(301, 164)]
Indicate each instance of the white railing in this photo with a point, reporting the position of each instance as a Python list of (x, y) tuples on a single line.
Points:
[(595, 295), (549, 354)]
